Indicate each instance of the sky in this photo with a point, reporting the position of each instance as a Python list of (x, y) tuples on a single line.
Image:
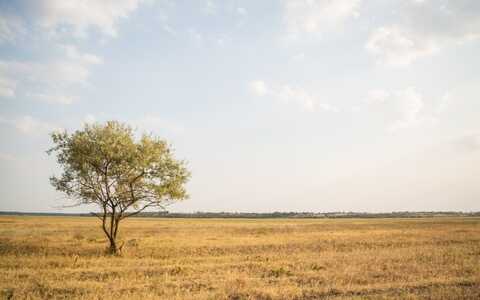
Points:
[(287, 105)]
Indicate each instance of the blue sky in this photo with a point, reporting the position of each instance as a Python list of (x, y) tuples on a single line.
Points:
[(277, 105)]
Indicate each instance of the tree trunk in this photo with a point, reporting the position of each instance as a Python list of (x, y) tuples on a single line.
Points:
[(110, 222), (113, 249), (112, 235)]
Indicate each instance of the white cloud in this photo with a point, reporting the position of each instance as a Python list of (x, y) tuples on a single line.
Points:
[(327, 107), (29, 125), (89, 119), (309, 16), (7, 157), (47, 81), (83, 58), (425, 28), (53, 99), (377, 96), (196, 36), (445, 103), (7, 87), (11, 27), (210, 7), (393, 46), (258, 87), (241, 11), (298, 57), (410, 104), (406, 107), (468, 143), (83, 15), (289, 94), (169, 29), (63, 18), (409, 108)]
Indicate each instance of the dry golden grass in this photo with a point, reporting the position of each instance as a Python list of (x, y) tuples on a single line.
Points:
[(63, 257)]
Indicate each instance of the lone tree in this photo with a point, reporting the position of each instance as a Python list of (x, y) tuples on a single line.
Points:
[(105, 165)]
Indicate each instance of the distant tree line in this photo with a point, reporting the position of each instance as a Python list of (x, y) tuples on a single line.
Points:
[(305, 215), (272, 215)]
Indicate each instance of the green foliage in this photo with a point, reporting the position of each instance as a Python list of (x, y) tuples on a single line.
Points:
[(107, 166)]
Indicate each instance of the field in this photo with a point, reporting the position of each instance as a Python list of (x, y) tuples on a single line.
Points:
[(63, 257)]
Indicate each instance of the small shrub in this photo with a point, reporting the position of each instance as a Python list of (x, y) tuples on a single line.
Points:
[(316, 267), (132, 243), (7, 294), (279, 272)]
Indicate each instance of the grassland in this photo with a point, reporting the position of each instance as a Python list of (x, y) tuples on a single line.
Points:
[(63, 257)]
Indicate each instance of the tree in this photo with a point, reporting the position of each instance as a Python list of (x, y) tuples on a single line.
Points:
[(106, 166)]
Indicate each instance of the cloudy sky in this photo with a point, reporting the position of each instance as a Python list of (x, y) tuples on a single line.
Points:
[(287, 105)]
